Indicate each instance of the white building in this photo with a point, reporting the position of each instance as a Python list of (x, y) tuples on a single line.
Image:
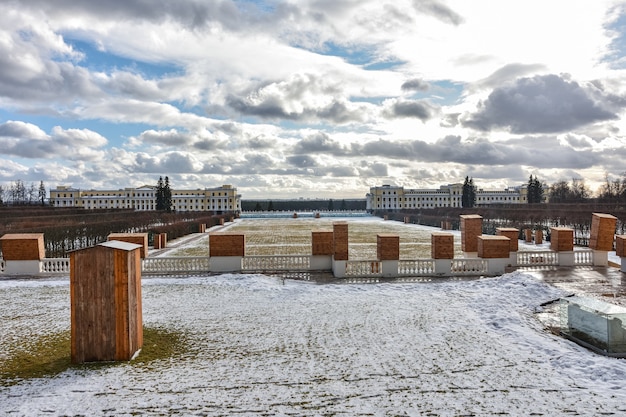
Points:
[(218, 199), (390, 197)]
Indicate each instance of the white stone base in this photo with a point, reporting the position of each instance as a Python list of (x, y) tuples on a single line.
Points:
[(339, 268), (566, 258), (497, 266), (470, 255), (389, 268), (600, 258), (443, 267), (22, 267), (623, 269), (225, 263), (512, 258), (321, 263)]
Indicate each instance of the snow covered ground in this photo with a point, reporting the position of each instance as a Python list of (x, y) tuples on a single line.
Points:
[(262, 346)]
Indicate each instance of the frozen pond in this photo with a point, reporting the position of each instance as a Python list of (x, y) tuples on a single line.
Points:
[(261, 346)]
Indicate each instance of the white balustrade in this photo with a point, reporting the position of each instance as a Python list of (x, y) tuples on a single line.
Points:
[(363, 269), (583, 257), (55, 265), (469, 266), (261, 263), (538, 258), (168, 265), (416, 267)]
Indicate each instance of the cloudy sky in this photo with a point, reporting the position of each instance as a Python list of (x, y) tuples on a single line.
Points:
[(311, 98)]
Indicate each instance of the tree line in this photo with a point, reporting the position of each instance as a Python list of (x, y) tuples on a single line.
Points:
[(18, 193), (561, 192)]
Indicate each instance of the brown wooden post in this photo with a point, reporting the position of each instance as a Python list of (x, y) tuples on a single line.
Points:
[(562, 239), (620, 246), (512, 233), (387, 247), (227, 244), (321, 243), (136, 238), (105, 299), (442, 245), (602, 232), (538, 237), (340, 241), (163, 237), (156, 241), (471, 228), (492, 247), (528, 235)]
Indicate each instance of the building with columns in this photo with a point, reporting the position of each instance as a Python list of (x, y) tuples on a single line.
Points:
[(218, 199), (391, 197)]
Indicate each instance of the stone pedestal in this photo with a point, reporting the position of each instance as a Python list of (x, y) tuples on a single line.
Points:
[(602, 231), (22, 253), (443, 267), (471, 228)]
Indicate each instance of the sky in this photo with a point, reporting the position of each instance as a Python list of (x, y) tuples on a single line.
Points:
[(311, 98)]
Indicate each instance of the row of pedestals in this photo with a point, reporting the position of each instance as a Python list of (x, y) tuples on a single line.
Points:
[(105, 280)]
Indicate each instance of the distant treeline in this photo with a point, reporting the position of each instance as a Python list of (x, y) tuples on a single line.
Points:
[(70, 229), (302, 205)]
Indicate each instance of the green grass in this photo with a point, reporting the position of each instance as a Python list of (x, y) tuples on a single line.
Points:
[(49, 355)]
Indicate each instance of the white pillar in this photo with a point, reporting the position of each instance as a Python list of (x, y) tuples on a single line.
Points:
[(339, 268), (566, 258), (600, 258), (225, 263), (443, 267), (389, 268), (497, 266), (321, 262)]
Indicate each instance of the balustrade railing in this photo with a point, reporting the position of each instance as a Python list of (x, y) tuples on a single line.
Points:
[(55, 265), (469, 266), (583, 257), (259, 263), (363, 269), (168, 265), (538, 258), (416, 267)]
